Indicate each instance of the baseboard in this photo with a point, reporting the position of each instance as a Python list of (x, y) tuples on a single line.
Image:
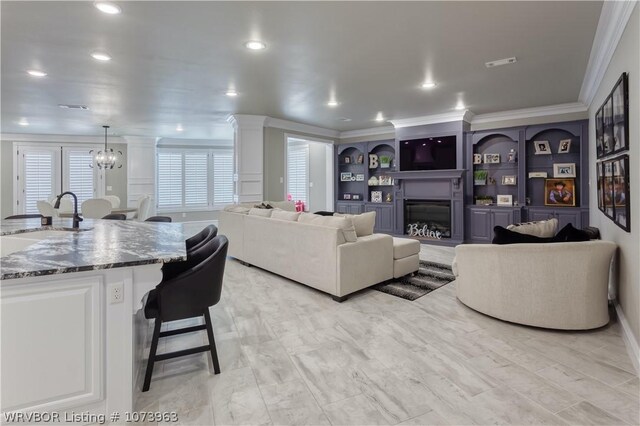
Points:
[(629, 339)]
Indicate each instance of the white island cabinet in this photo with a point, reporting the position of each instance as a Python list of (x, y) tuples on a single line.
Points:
[(72, 333)]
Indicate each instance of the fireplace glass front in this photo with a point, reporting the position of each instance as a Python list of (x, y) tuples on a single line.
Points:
[(427, 218)]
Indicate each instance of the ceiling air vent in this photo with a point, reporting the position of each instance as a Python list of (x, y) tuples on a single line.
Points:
[(81, 107), (505, 61)]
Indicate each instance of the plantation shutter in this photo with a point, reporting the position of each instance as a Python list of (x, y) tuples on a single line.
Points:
[(38, 175), (169, 179), (298, 172), (195, 178), (222, 178), (79, 176)]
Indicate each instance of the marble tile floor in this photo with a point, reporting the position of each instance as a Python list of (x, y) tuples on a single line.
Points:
[(290, 355)]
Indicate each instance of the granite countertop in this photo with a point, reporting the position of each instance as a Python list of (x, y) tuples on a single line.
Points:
[(102, 244)]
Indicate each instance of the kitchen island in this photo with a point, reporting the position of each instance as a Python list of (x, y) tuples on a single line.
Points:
[(72, 329)]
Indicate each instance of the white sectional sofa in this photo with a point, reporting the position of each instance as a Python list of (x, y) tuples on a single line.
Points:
[(311, 252)]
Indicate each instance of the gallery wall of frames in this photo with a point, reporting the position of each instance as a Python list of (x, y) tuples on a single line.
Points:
[(612, 168)]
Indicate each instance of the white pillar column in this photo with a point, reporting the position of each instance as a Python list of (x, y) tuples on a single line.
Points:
[(141, 170), (248, 149)]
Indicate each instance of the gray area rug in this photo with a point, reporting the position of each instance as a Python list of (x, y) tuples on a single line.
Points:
[(429, 277)]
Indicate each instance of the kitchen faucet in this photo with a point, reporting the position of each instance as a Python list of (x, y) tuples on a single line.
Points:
[(76, 217)]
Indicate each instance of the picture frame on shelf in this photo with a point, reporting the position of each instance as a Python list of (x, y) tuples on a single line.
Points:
[(560, 192), (376, 196), (564, 147), (620, 106), (492, 158), (346, 159), (564, 170), (477, 158), (599, 134), (360, 159), (512, 156), (504, 200), (533, 175), (345, 176), (356, 197), (509, 180), (385, 180), (542, 148), (346, 196), (359, 177)]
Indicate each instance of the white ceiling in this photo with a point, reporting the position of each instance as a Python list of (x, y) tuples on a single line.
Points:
[(173, 61)]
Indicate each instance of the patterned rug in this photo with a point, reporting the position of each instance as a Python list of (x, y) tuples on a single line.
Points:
[(429, 277)]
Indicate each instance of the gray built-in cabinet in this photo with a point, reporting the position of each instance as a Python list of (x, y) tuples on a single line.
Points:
[(528, 193), (348, 162)]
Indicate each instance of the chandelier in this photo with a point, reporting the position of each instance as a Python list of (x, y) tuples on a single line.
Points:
[(107, 158)]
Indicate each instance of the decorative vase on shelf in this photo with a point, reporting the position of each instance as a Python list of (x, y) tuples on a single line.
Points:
[(385, 161), (480, 177)]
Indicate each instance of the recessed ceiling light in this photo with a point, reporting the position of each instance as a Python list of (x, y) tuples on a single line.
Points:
[(332, 103), (23, 122), (36, 73), (231, 93), (460, 106), (70, 106), (424, 144), (345, 119), (101, 56), (255, 45), (505, 61), (179, 128), (428, 85), (107, 7), (379, 117)]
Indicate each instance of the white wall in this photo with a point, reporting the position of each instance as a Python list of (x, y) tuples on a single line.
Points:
[(627, 281)]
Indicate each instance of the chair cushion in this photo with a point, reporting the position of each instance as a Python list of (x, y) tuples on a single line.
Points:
[(151, 305), (405, 247)]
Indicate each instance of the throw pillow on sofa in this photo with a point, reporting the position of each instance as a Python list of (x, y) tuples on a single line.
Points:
[(542, 229), (285, 215), (568, 234), (363, 223), (342, 223), (307, 217), (260, 212)]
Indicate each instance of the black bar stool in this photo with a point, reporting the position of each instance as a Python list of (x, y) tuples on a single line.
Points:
[(158, 219)]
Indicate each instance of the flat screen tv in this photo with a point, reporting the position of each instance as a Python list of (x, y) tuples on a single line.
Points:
[(437, 153)]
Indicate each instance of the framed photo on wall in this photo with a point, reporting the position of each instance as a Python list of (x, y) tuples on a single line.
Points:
[(599, 134), (608, 188), (560, 192), (607, 119), (600, 185), (621, 205), (620, 115)]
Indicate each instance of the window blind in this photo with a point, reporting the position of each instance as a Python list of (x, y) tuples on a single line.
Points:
[(195, 179), (222, 178), (169, 179), (38, 178), (80, 175), (298, 172)]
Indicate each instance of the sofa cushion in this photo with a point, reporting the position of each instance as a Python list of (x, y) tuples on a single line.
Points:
[(343, 223), (542, 229), (505, 236), (285, 215), (405, 247), (307, 217), (364, 222), (260, 212), (570, 234), (289, 206), (235, 208)]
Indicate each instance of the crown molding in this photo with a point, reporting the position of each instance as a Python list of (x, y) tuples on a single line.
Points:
[(300, 127), (517, 114), (246, 120), (366, 132), (203, 143), (613, 20), (59, 139), (446, 117)]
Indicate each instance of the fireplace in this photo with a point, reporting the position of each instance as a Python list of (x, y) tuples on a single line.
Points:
[(428, 219)]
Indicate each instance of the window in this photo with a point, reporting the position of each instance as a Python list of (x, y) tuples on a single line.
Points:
[(45, 170), (298, 171), (194, 179), (79, 176), (38, 178)]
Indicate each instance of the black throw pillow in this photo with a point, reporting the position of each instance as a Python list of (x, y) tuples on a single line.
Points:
[(569, 234), (324, 213), (505, 236)]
